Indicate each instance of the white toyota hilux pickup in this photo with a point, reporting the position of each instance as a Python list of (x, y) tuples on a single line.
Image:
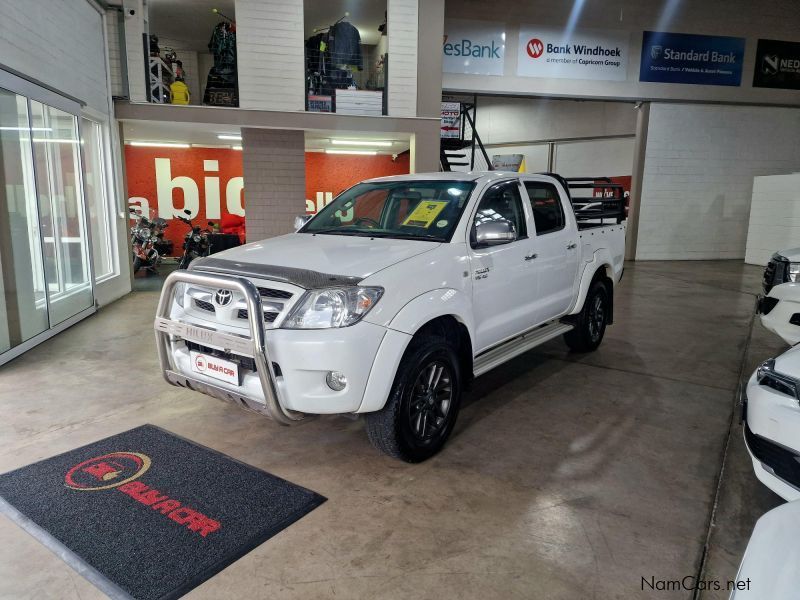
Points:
[(390, 299)]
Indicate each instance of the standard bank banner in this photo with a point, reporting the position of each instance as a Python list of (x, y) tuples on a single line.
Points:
[(688, 58), (583, 54)]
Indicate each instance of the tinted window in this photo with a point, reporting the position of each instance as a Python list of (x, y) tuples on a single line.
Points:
[(503, 201), (548, 215)]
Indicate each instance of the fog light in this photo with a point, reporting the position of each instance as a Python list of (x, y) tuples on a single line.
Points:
[(336, 381)]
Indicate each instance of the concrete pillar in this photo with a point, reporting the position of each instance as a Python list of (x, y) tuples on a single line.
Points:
[(637, 174), (274, 170), (425, 150), (429, 58), (136, 61)]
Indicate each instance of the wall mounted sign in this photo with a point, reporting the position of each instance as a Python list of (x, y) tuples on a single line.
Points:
[(687, 58), (584, 54), (473, 47), (777, 65), (451, 120)]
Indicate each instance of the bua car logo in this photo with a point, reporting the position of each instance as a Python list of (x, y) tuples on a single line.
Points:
[(107, 471), (119, 470), (535, 48)]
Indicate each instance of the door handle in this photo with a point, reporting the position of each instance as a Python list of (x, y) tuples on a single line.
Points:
[(571, 245), (531, 256)]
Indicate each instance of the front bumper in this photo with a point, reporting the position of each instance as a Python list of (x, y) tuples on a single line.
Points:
[(772, 433), (282, 372), (780, 312)]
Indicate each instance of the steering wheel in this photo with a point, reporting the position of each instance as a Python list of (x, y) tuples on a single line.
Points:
[(369, 221)]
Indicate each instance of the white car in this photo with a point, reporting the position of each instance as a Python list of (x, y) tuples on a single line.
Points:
[(389, 300), (779, 307), (769, 567), (772, 423)]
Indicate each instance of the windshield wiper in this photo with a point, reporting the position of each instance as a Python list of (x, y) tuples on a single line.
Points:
[(407, 236)]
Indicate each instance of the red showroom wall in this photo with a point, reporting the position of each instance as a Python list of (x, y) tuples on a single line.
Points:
[(208, 181)]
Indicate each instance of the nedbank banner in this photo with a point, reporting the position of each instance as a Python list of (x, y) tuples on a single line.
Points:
[(687, 58), (583, 54), (777, 65), (474, 47)]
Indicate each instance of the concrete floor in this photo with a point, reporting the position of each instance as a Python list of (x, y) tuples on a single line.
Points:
[(567, 476)]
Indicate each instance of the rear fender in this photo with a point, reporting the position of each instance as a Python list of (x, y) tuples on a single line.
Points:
[(601, 261)]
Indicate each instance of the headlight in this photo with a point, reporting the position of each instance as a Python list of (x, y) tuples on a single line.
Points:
[(180, 291), (334, 307), (767, 376), (794, 272)]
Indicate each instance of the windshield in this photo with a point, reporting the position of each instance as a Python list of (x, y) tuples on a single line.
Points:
[(423, 210)]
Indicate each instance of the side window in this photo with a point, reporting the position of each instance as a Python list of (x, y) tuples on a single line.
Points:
[(548, 214), (503, 201)]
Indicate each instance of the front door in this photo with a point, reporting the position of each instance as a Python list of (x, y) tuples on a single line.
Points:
[(504, 277), (556, 249)]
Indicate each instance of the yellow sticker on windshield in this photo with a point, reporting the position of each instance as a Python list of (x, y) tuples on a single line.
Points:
[(425, 213)]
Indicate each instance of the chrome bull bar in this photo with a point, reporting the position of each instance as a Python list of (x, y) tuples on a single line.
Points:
[(255, 346)]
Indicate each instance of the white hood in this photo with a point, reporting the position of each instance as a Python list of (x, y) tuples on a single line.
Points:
[(335, 254)]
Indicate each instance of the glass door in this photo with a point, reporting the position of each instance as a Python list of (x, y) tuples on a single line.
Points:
[(23, 297), (67, 268)]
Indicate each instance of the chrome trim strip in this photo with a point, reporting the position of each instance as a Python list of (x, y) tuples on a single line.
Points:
[(254, 346), (303, 278)]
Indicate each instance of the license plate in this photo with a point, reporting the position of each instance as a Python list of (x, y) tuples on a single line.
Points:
[(218, 368)]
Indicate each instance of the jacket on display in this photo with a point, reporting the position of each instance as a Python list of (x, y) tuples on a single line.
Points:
[(344, 44)]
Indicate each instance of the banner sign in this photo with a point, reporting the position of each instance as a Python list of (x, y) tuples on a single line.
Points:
[(777, 65), (687, 58), (583, 54), (451, 120), (473, 47)]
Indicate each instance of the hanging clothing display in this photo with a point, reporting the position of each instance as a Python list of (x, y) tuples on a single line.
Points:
[(344, 43), (222, 83)]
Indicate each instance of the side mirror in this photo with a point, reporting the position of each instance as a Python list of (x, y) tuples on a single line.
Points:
[(301, 220), (494, 233)]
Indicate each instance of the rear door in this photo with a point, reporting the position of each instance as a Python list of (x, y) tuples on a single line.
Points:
[(504, 278), (556, 247)]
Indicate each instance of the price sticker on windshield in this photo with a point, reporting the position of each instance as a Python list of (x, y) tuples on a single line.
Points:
[(424, 214)]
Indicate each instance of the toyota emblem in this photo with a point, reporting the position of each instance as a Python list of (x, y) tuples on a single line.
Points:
[(223, 297)]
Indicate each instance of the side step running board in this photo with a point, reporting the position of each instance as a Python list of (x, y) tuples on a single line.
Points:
[(516, 346)]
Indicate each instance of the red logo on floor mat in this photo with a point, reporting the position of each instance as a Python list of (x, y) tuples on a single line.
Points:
[(107, 471), (119, 470)]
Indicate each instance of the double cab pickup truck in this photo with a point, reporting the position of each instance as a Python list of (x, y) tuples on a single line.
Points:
[(393, 297)]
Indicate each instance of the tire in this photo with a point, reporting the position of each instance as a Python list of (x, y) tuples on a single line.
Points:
[(415, 424), (590, 326), (137, 264)]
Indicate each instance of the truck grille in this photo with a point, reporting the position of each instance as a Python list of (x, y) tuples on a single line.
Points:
[(271, 293), (269, 317), (202, 305), (783, 462)]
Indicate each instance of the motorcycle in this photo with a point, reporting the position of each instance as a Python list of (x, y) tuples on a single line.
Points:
[(196, 243), (145, 235)]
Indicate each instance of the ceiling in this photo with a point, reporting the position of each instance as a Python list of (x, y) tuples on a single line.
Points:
[(205, 134), (365, 15), (190, 22)]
